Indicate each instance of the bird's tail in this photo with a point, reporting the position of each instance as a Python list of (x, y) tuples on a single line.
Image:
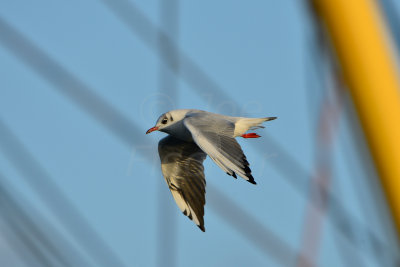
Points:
[(245, 124)]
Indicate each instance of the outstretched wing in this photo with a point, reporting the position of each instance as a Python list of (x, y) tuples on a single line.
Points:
[(182, 167), (215, 136)]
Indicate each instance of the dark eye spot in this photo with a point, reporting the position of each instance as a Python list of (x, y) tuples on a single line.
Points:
[(164, 121)]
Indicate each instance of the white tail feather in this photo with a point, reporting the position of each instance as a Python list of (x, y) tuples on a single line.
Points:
[(244, 124)]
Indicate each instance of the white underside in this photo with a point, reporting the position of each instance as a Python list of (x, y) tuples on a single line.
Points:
[(244, 124), (184, 206)]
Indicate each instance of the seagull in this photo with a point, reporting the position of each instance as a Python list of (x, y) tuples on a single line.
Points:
[(194, 134)]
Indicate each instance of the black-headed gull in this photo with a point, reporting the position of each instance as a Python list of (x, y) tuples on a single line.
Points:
[(194, 134)]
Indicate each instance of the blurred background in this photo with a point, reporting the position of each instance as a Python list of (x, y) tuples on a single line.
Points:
[(80, 182)]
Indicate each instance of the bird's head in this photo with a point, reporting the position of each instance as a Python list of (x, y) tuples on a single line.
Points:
[(168, 119)]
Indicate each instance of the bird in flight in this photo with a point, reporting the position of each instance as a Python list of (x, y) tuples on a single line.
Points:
[(194, 134)]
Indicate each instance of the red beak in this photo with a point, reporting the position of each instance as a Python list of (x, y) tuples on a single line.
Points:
[(152, 130)]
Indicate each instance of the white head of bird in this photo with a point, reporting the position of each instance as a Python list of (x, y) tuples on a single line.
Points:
[(168, 121)]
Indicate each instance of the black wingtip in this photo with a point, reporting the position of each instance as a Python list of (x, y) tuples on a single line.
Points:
[(202, 228), (251, 179), (233, 174), (247, 171)]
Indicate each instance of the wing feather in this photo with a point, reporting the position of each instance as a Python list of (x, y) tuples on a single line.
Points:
[(182, 167), (215, 136)]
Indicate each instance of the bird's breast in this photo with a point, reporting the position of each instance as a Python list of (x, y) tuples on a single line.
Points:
[(179, 130)]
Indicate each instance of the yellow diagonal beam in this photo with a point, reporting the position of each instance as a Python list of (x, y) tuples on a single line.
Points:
[(359, 36)]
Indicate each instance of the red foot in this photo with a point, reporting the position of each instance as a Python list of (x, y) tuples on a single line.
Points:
[(250, 135)]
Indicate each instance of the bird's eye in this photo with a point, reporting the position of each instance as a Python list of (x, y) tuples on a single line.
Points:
[(164, 121)]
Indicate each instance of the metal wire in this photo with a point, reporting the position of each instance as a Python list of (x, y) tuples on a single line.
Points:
[(67, 214), (94, 105), (209, 90), (33, 238)]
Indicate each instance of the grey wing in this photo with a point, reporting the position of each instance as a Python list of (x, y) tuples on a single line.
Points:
[(182, 167), (214, 135)]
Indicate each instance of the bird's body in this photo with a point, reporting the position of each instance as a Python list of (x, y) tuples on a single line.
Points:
[(179, 130), (194, 134)]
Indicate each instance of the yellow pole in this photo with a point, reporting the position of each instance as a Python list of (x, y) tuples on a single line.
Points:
[(369, 65)]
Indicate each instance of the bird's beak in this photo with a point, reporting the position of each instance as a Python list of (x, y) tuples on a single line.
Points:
[(152, 129)]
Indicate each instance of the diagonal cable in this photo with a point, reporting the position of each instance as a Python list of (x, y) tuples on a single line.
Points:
[(31, 234), (118, 123), (37, 177), (211, 92), (201, 83), (85, 98)]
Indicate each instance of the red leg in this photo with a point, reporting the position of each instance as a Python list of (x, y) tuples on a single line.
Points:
[(250, 135)]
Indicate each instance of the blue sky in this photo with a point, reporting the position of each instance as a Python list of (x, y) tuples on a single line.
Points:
[(258, 54)]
